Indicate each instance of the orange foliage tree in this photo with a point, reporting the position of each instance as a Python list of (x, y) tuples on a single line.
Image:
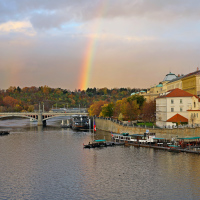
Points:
[(95, 108), (10, 101), (148, 111)]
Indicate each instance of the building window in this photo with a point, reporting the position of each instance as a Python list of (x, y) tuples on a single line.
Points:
[(172, 101), (181, 101), (197, 115), (172, 109), (194, 104), (181, 109)]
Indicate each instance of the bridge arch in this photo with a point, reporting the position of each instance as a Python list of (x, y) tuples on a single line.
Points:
[(21, 116)]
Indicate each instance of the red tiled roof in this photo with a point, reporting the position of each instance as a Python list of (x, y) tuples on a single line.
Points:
[(177, 118), (177, 93)]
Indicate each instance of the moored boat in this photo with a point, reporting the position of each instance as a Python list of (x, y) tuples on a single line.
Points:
[(102, 143), (80, 122), (96, 143), (140, 138), (4, 133)]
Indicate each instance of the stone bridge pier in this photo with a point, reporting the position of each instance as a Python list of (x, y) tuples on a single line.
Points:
[(41, 122)]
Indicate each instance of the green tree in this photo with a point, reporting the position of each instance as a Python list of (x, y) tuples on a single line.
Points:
[(107, 110)]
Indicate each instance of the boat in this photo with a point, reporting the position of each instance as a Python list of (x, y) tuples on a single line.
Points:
[(96, 143), (102, 143), (80, 122), (33, 120), (4, 133), (139, 138)]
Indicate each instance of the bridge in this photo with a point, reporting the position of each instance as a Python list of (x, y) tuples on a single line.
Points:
[(41, 117)]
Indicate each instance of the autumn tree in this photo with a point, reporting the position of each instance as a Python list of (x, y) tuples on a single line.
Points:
[(148, 111), (130, 110), (119, 108), (107, 110), (95, 108), (31, 108), (10, 101)]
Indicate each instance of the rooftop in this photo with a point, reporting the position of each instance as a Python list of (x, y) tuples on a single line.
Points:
[(177, 118), (193, 73), (176, 93)]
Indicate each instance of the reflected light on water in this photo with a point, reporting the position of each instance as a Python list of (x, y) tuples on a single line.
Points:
[(51, 163)]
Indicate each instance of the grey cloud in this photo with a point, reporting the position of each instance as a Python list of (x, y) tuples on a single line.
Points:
[(50, 13)]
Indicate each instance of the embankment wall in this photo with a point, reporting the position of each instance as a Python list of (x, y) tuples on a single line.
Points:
[(108, 125)]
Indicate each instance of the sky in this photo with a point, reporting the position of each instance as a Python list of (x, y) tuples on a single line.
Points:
[(76, 44)]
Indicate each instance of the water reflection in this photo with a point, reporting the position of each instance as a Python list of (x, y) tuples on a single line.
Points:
[(50, 163)]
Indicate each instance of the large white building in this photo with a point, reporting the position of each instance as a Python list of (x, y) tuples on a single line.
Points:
[(176, 107)]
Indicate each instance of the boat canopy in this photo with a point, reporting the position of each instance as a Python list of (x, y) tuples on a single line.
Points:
[(117, 134), (189, 138), (171, 145), (159, 138), (137, 135), (100, 140)]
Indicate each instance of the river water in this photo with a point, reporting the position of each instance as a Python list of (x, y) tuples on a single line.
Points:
[(50, 163)]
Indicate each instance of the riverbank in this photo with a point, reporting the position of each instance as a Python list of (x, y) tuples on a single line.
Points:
[(112, 126)]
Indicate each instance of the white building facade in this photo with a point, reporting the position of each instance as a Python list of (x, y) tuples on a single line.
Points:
[(172, 107)]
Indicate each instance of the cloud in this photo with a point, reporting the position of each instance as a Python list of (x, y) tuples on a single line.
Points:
[(24, 27), (49, 14)]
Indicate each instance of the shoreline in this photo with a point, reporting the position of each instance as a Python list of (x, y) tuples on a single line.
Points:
[(112, 126)]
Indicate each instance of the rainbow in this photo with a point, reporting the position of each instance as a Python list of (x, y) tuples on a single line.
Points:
[(86, 67)]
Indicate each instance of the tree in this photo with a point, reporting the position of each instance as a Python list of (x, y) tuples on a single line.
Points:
[(10, 101), (31, 108), (120, 117), (148, 111), (119, 107), (131, 110), (107, 110), (95, 108), (140, 99)]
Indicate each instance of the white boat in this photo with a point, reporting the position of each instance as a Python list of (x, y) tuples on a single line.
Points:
[(33, 120), (141, 138)]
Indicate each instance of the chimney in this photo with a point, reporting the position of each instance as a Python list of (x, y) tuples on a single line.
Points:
[(197, 69)]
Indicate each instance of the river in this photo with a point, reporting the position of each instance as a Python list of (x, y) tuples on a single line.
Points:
[(50, 163)]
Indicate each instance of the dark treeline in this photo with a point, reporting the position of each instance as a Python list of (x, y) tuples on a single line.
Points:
[(28, 98)]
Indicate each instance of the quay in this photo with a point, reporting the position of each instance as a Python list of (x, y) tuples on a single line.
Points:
[(112, 125), (170, 149), (149, 140)]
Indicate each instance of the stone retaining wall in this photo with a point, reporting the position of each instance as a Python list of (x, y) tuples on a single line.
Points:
[(108, 125)]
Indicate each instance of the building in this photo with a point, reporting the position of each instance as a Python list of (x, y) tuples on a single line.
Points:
[(175, 83), (154, 91), (176, 107), (191, 83)]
